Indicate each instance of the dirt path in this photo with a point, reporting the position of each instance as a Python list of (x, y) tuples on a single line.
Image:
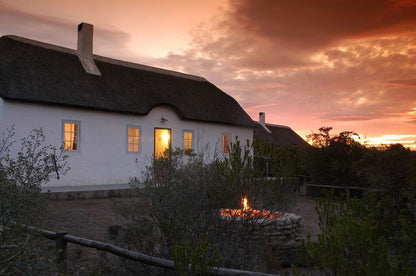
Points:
[(306, 209)]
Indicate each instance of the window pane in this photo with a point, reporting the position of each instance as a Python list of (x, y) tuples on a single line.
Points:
[(226, 143), (133, 132), (133, 139), (187, 140), (70, 136)]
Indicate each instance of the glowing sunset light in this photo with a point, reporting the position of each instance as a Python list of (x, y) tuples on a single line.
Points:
[(406, 140), (306, 64)]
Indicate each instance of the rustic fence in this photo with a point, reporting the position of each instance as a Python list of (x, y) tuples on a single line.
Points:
[(63, 238), (310, 187)]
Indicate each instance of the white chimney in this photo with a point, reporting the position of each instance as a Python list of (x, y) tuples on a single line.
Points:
[(84, 48), (262, 118), (262, 121)]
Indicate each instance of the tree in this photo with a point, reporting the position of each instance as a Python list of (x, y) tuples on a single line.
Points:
[(389, 167), (322, 138), (21, 177), (333, 159)]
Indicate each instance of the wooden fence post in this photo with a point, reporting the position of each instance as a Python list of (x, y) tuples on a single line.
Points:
[(61, 245)]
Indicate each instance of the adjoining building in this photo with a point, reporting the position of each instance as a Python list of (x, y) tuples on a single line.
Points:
[(276, 146), (276, 134)]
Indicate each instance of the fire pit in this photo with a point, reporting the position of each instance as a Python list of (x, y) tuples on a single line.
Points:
[(281, 229)]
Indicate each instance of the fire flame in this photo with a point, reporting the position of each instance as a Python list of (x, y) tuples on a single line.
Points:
[(244, 204), (247, 212)]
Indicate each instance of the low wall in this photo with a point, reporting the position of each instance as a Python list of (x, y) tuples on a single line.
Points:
[(282, 230), (282, 235)]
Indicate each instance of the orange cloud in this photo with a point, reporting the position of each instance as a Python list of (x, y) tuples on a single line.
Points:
[(340, 63)]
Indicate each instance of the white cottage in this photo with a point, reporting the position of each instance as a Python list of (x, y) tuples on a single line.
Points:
[(112, 116)]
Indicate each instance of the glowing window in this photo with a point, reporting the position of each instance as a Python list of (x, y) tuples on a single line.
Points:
[(71, 135), (133, 139), (162, 142), (226, 138), (188, 136)]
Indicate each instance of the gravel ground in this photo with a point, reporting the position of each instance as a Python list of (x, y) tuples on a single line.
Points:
[(91, 218), (306, 209), (87, 218)]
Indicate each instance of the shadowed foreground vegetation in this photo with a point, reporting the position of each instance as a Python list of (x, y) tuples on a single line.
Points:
[(370, 235), (186, 194)]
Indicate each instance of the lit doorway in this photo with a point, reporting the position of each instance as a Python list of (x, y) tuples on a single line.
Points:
[(162, 142)]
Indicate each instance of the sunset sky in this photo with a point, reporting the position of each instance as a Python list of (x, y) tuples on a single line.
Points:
[(341, 63)]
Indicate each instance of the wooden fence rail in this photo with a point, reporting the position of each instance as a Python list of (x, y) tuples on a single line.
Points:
[(344, 187), (62, 238)]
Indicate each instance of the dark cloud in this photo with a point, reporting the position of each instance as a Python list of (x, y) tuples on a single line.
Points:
[(311, 25), (403, 83), (312, 62), (275, 34)]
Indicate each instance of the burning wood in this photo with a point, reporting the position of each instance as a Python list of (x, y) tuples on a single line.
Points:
[(247, 212)]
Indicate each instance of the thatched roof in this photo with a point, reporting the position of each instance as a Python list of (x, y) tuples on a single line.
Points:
[(37, 72), (278, 135)]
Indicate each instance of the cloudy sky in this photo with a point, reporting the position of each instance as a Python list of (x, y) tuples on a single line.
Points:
[(343, 63)]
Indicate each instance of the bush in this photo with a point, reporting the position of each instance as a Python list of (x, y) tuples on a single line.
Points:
[(358, 238), (186, 194), (21, 177)]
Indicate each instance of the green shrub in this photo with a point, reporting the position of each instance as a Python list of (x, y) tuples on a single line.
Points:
[(356, 238)]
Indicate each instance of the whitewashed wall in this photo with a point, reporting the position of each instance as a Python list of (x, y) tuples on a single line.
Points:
[(103, 157)]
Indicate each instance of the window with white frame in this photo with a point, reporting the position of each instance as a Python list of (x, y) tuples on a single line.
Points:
[(133, 139), (188, 140), (226, 140), (70, 134)]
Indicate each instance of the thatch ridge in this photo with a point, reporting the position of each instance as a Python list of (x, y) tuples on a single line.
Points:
[(33, 71), (280, 135)]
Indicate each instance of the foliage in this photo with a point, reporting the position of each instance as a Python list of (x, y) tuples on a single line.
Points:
[(374, 235), (353, 241), (199, 259), (358, 238), (404, 230), (21, 177), (273, 160), (332, 160), (340, 160), (388, 167), (240, 175), (186, 194)]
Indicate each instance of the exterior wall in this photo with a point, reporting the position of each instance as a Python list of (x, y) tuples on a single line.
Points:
[(102, 157), (1, 115)]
